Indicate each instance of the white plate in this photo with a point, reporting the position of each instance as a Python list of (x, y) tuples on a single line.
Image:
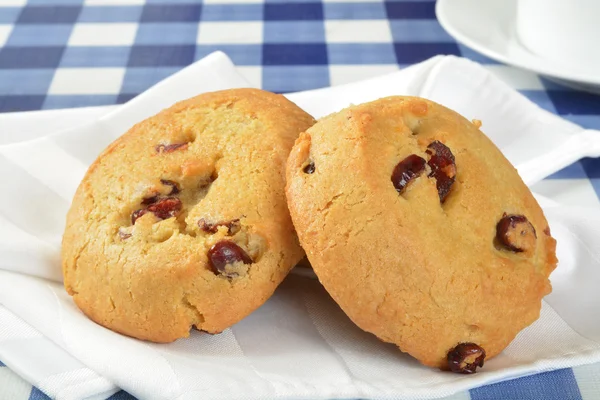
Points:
[(488, 27)]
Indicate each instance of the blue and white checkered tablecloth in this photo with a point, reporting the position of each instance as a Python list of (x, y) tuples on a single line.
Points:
[(74, 53)]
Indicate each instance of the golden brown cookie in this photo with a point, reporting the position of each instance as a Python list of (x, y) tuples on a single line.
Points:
[(420, 229), (183, 220)]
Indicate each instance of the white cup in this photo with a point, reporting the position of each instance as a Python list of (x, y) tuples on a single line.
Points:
[(563, 31)]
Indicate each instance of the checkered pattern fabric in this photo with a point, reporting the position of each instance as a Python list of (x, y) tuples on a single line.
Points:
[(74, 53)]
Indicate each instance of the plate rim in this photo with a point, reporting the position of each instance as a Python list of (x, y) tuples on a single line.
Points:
[(456, 33)]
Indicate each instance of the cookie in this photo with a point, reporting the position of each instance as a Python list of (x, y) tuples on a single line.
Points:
[(183, 220), (420, 229)]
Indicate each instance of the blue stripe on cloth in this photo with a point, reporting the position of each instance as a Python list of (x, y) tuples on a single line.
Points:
[(232, 12), (95, 56), (40, 35), (361, 53), (586, 121), (2, 364), (596, 185), (8, 15), (293, 78), (137, 80), (125, 97), (37, 394), (553, 85), (49, 15), (410, 53), (295, 54), (573, 171), (171, 13), (25, 81), (591, 167), (411, 10), (477, 57), (592, 170), (161, 56), (153, 33), (293, 32), (31, 57), (240, 54), (555, 385), (354, 11), (54, 101), (293, 12), (540, 98), (121, 395), (572, 102), (418, 31), (21, 102), (110, 14)]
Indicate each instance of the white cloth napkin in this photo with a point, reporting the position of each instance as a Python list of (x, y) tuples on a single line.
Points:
[(299, 344)]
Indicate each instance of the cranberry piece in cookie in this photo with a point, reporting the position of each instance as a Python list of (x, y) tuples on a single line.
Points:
[(443, 167), (174, 186), (233, 226), (309, 168), (465, 358), (224, 256), (137, 214), (169, 148), (166, 207), (174, 189), (516, 233), (150, 200), (162, 208), (407, 170)]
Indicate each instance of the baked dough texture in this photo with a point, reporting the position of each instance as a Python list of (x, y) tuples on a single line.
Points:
[(183, 220), (420, 229)]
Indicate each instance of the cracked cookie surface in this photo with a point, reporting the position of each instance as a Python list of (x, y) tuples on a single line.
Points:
[(182, 222), (420, 229)]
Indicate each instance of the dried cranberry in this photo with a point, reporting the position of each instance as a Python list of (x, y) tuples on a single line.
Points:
[(226, 253), (150, 200), (174, 186), (407, 170), (516, 233), (162, 208), (168, 148), (443, 167), (166, 207), (232, 226), (465, 358), (309, 168), (137, 214)]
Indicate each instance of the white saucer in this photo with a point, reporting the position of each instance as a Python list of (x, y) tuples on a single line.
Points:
[(487, 26)]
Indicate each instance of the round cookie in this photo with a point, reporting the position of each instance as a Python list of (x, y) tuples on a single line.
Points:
[(420, 229), (183, 220)]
